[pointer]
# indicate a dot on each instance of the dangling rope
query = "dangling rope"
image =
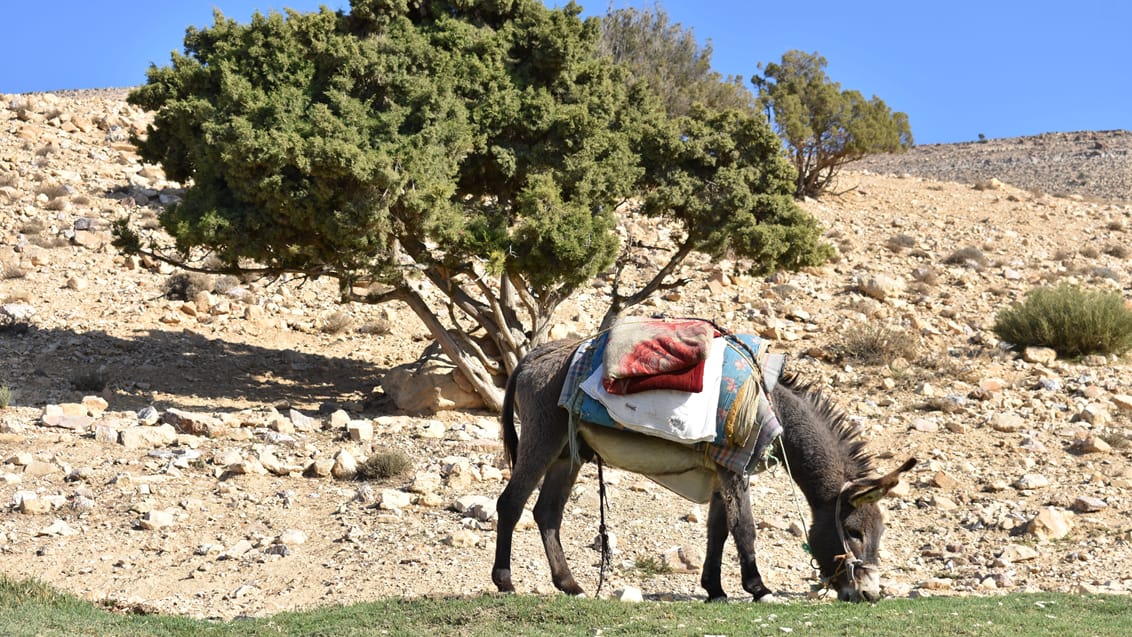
(606, 552)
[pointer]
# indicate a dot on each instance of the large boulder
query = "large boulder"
(430, 384)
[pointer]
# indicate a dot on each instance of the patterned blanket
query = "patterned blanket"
(745, 422)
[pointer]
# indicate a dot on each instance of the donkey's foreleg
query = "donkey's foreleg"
(710, 577)
(741, 522)
(548, 511)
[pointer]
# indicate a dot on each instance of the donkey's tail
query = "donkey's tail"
(510, 436)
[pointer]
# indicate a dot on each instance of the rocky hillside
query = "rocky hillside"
(1092, 164)
(190, 445)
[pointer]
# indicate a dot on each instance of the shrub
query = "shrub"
(872, 344)
(900, 242)
(1068, 319)
(5, 396)
(384, 465)
(336, 323)
(92, 380)
(185, 286)
(969, 256)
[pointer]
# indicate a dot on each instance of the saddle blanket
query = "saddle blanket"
(680, 416)
(744, 423)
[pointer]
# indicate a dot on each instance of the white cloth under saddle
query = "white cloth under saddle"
(665, 413)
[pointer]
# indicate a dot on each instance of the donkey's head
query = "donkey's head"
(845, 538)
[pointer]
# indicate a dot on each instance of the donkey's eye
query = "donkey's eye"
(855, 534)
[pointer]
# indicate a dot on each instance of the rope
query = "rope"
(606, 553)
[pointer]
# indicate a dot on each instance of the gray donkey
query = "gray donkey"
(821, 449)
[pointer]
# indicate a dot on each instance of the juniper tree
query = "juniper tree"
(476, 149)
(823, 126)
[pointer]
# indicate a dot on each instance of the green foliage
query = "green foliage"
(670, 61)
(479, 146)
(5, 396)
(720, 173)
(825, 127)
(1069, 319)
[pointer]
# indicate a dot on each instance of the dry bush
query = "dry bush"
(185, 286)
(336, 323)
(872, 344)
(376, 327)
(11, 271)
(1118, 250)
(900, 242)
(90, 380)
(969, 256)
(1090, 252)
(385, 465)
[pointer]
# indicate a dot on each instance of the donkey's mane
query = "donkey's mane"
(847, 433)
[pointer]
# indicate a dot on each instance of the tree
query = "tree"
(471, 151)
(669, 59)
(824, 127)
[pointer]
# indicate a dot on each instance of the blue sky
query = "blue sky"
(957, 68)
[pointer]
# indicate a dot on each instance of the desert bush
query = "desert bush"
(900, 242)
(384, 465)
(1090, 252)
(11, 271)
(967, 256)
(336, 323)
(872, 344)
(1118, 250)
(1068, 319)
(376, 327)
(90, 380)
(185, 286)
(5, 396)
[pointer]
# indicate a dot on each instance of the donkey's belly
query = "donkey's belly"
(680, 468)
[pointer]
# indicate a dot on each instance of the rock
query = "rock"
(477, 507)
(630, 595)
(152, 520)
(319, 468)
(683, 559)
(58, 528)
(431, 429)
(1006, 422)
(1090, 443)
(944, 481)
(237, 550)
(1123, 401)
(1095, 414)
(425, 482)
(880, 286)
(1050, 524)
(1039, 355)
(1088, 504)
(1018, 553)
(462, 538)
(394, 499)
(143, 437)
(429, 386)
(301, 421)
(192, 423)
(360, 430)
(1031, 481)
(345, 466)
(291, 537)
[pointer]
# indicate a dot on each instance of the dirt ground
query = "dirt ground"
(224, 522)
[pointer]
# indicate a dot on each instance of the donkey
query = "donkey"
(820, 447)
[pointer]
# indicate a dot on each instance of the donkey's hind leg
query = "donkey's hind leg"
(710, 578)
(525, 475)
(741, 522)
(555, 491)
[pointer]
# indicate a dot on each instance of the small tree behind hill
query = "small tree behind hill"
(824, 127)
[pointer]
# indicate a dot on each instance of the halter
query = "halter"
(847, 561)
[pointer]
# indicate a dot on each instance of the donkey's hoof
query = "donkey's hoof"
(718, 599)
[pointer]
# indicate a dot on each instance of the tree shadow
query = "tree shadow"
(181, 369)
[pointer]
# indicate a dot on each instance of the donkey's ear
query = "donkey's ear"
(872, 490)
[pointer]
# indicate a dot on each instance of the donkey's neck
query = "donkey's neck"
(819, 456)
